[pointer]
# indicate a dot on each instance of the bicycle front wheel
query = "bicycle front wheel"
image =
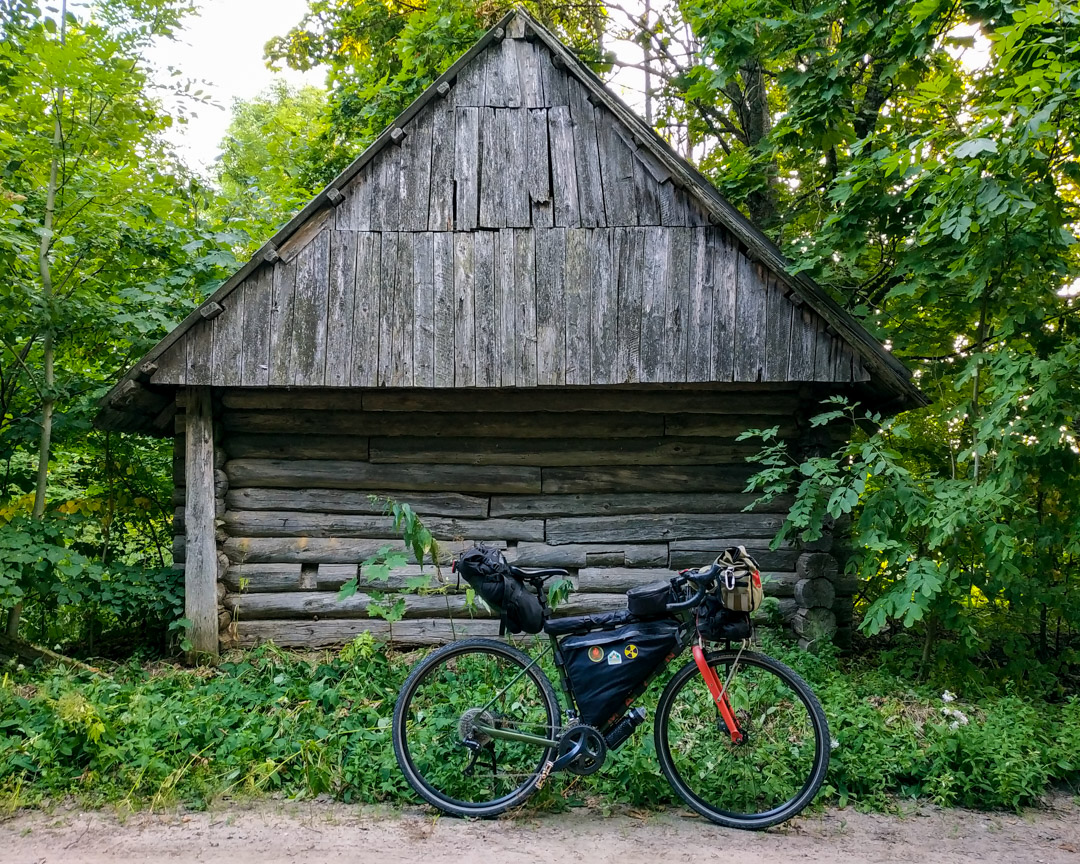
(444, 707)
(779, 767)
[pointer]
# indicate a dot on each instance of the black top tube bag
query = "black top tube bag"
(488, 573)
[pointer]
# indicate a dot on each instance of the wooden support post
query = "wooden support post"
(201, 564)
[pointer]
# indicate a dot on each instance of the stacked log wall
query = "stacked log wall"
(618, 486)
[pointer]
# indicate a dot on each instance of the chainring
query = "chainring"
(593, 754)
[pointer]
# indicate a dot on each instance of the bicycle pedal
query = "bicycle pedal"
(545, 772)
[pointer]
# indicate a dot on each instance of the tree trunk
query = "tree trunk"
(48, 398)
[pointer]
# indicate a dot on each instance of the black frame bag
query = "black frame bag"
(489, 574)
(606, 667)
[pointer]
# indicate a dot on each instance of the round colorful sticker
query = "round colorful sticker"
(596, 654)
(631, 652)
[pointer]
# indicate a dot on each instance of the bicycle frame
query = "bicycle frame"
(712, 682)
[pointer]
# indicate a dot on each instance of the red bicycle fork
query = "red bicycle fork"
(723, 704)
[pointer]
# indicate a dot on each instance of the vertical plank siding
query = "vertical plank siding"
(516, 235)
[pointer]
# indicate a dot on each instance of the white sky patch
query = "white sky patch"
(221, 49)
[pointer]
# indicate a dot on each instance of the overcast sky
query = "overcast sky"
(223, 48)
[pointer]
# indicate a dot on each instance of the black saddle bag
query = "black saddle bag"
(607, 668)
(488, 573)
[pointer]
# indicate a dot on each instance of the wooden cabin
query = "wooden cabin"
(522, 313)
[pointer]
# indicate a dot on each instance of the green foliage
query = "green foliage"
(268, 721)
(963, 557)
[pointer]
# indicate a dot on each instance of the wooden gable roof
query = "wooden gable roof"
(516, 226)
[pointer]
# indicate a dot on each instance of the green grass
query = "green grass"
(269, 721)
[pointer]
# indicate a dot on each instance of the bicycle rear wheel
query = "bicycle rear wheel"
(444, 757)
(780, 766)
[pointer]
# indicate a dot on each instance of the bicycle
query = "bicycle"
(741, 738)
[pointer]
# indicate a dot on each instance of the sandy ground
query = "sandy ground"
(314, 832)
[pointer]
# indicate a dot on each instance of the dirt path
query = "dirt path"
(316, 832)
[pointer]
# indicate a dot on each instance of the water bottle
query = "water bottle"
(624, 728)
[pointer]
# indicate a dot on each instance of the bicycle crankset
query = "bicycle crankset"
(582, 750)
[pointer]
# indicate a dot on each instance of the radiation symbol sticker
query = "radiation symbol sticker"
(596, 654)
(630, 652)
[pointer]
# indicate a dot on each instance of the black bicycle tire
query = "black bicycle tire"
(821, 753)
(399, 731)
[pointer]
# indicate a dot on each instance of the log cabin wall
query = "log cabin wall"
(618, 486)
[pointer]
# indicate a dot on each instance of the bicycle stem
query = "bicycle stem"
(720, 697)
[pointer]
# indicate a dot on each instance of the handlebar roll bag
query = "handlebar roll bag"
(649, 601)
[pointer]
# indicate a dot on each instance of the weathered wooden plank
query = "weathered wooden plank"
(626, 504)
(463, 424)
(261, 578)
(487, 361)
(587, 158)
(327, 550)
(677, 295)
(698, 553)
(340, 474)
(423, 359)
(530, 72)
(577, 300)
(726, 264)
(512, 90)
(281, 323)
(778, 316)
(516, 172)
(552, 451)
(564, 182)
(525, 307)
(200, 353)
(248, 579)
(556, 90)
(298, 523)
(364, 363)
(646, 478)
(600, 250)
(325, 605)
(646, 192)
(576, 555)
(824, 354)
(401, 369)
(200, 547)
(258, 301)
(443, 138)
(724, 425)
(349, 501)
(844, 362)
(659, 527)
(550, 308)
(803, 340)
(288, 445)
(618, 580)
(310, 311)
(228, 341)
(302, 237)
(416, 153)
(655, 348)
(617, 170)
(699, 328)
(443, 289)
(741, 400)
(466, 166)
(494, 168)
(538, 180)
(324, 634)
(471, 81)
(386, 203)
(628, 251)
(673, 205)
(464, 312)
(389, 295)
(339, 319)
(750, 322)
(505, 306)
